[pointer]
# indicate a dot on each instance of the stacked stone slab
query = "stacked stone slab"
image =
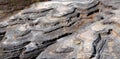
(56, 30)
(85, 7)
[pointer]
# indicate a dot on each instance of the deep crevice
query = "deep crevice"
(54, 39)
(94, 46)
(2, 34)
(96, 11)
(70, 13)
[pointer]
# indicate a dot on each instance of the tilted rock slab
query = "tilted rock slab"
(62, 29)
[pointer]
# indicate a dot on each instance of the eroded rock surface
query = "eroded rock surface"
(63, 29)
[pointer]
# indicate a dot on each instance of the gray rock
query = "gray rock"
(62, 29)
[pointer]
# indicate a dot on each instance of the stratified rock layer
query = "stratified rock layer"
(66, 29)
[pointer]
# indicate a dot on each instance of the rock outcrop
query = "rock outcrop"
(11, 7)
(63, 29)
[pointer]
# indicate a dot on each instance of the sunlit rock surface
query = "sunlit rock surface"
(63, 29)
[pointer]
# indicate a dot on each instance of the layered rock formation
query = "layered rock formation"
(63, 29)
(10, 7)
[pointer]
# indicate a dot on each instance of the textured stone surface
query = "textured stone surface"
(63, 29)
(11, 7)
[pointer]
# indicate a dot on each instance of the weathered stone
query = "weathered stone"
(57, 29)
(98, 26)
